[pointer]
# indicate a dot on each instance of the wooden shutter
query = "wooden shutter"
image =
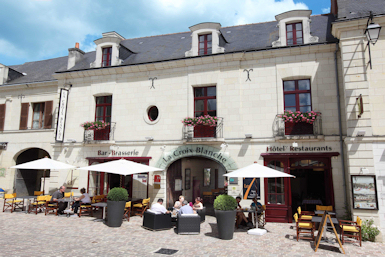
(24, 116)
(2, 116)
(48, 114)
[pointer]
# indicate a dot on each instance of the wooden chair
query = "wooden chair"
(304, 227)
(37, 193)
(351, 229)
(38, 204)
(68, 194)
(11, 203)
(207, 197)
(304, 215)
(127, 210)
(97, 199)
(323, 208)
(142, 207)
(51, 207)
(85, 207)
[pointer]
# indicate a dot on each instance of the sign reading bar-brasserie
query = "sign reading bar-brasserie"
(298, 149)
(118, 153)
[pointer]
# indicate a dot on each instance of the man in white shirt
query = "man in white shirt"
(158, 208)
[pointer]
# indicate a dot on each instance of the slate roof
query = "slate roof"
(248, 37)
(353, 9)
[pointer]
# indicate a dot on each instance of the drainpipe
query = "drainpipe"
(340, 125)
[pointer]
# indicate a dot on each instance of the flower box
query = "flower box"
(299, 128)
(204, 131)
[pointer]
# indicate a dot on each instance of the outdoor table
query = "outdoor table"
(318, 219)
(103, 205)
(28, 198)
(253, 213)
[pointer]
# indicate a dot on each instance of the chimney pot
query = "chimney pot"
(77, 45)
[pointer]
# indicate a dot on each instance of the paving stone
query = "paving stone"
(39, 235)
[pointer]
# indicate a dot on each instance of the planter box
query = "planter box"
(300, 128)
(204, 131)
(225, 223)
(103, 134)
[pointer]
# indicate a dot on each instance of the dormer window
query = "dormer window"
(294, 29)
(109, 51)
(106, 58)
(206, 39)
(294, 34)
(205, 44)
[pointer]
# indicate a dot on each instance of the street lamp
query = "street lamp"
(372, 33)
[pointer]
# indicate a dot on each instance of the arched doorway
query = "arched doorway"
(28, 181)
(195, 176)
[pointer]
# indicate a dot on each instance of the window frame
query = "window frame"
(105, 104)
(297, 92)
(106, 57)
(149, 113)
(41, 114)
(205, 42)
(294, 31)
(205, 99)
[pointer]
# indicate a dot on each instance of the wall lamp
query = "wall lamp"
(149, 138)
(372, 33)
(248, 135)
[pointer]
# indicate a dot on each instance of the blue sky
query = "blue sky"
(34, 30)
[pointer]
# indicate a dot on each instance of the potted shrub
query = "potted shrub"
(116, 201)
(225, 211)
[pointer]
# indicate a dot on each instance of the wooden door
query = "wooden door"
(196, 189)
(277, 194)
(173, 172)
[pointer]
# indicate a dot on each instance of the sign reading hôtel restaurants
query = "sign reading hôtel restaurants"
(199, 151)
(286, 148)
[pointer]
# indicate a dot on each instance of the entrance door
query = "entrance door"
(28, 181)
(196, 189)
(173, 172)
(278, 202)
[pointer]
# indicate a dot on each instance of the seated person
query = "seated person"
(256, 206)
(83, 199)
(198, 204)
(158, 208)
(59, 194)
(186, 208)
(240, 215)
(178, 204)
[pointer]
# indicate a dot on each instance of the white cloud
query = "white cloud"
(46, 29)
(326, 10)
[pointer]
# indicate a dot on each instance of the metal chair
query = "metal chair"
(37, 193)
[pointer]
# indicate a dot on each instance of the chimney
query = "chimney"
(74, 55)
(334, 7)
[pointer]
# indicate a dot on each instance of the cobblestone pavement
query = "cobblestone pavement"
(39, 235)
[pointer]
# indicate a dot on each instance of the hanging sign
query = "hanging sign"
(62, 113)
(157, 181)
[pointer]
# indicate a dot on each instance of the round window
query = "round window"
(153, 113)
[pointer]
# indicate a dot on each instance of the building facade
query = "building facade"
(248, 77)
